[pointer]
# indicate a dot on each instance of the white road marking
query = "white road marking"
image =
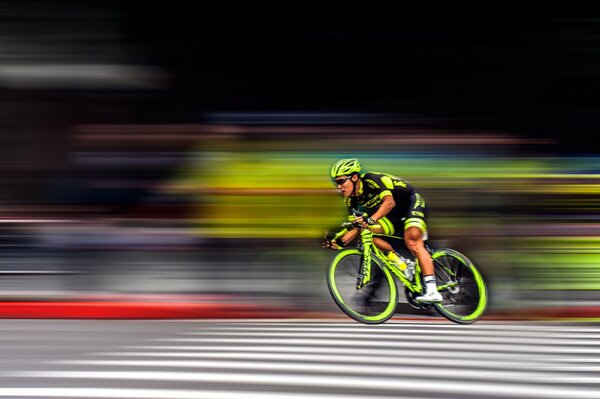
(126, 393)
(464, 372)
(397, 332)
(447, 345)
(391, 325)
(441, 386)
(353, 358)
(463, 352)
(503, 339)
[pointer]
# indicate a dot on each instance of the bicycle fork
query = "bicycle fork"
(365, 271)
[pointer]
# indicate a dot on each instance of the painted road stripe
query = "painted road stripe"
(392, 353)
(504, 339)
(537, 389)
(447, 344)
(458, 351)
(507, 362)
(464, 372)
(126, 393)
(453, 332)
(511, 326)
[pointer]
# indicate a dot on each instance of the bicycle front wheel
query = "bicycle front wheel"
(372, 304)
(461, 285)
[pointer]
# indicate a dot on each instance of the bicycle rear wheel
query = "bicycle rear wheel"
(372, 304)
(461, 285)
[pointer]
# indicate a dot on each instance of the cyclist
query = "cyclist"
(393, 204)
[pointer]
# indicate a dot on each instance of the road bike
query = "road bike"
(361, 282)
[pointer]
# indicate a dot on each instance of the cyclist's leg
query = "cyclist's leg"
(413, 238)
(383, 245)
(386, 243)
(384, 226)
(415, 234)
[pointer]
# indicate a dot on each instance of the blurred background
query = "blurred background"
(184, 149)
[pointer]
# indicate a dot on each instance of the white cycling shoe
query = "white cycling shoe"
(430, 297)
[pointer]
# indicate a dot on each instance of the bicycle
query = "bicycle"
(369, 294)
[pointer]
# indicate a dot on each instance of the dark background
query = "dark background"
(528, 69)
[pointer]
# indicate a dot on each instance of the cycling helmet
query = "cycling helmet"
(345, 167)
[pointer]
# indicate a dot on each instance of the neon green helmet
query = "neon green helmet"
(345, 167)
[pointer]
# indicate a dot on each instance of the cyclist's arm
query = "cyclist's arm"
(383, 186)
(349, 236)
(340, 239)
(387, 204)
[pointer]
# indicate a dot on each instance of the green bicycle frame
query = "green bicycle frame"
(369, 250)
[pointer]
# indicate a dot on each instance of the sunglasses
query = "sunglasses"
(339, 182)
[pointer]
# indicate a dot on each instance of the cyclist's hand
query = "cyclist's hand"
(330, 245)
(360, 221)
(329, 241)
(364, 221)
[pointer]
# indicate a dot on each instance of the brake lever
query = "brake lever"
(364, 215)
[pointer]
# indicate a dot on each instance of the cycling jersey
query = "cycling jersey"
(410, 207)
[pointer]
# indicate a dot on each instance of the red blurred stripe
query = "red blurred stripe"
(137, 310)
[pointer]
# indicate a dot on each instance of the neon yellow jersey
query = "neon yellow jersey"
(375, 186)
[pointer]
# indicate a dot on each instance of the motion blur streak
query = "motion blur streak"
(190, 159)
(155, 209)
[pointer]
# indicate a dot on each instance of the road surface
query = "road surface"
(297, 359)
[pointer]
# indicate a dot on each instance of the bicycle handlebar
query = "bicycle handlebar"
(365, 217)
(350, 225)
(358, 213)
(356, 224)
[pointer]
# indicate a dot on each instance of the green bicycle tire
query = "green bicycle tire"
(341, 281)
(469, 303)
